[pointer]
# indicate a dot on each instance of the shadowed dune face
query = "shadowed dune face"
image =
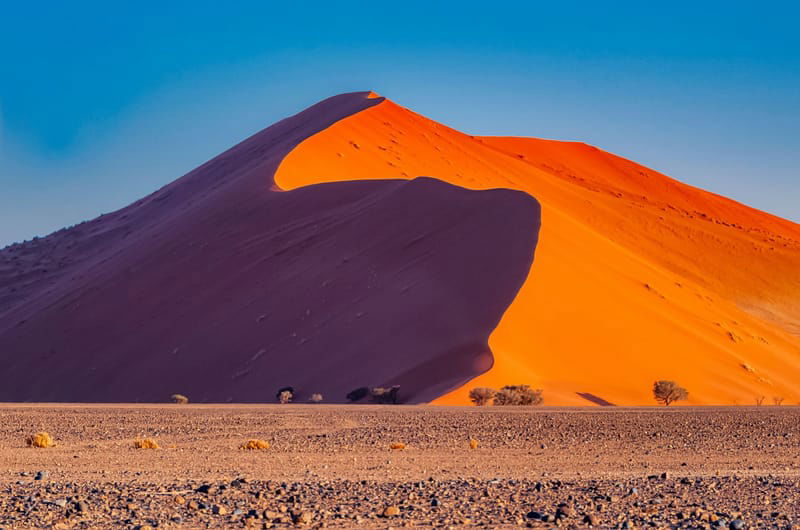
(223, 288)
(637, 276)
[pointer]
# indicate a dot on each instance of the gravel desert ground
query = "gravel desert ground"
(332, 466)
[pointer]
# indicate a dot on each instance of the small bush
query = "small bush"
(358, 394)
(315, 398)
(397, 446)
(285, 397)
(255, 444)
(180, 399)
(667, 392)
(481, 395)
(40, 439)
(519, 395)
(385, 395)
(473, 443)
(146, 443)
(281, 391)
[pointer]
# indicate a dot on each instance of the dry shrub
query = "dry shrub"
(385, 395)
(315, 398)
(520, 395)
(285, 397)
(40, 439)
(473, 443)
(668, 391)
(397, 446)
(254, 444)
(481, 395)
(180, 399)
(145, 443)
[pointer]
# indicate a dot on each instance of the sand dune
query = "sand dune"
(637, 276)
(224, 288)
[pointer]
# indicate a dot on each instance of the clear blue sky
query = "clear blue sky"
(103, 102)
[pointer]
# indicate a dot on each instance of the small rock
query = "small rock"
(41, 475)
(179, 499)
(435, 502)
(219, 509)
(205, 488)
(534, 515)
(60, 502)
(736, 524)
(591, 519)
(302, 517)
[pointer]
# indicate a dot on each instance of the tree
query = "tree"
(521, 395)
(481, 395)
(668, 391)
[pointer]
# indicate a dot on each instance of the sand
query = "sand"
(642, 465)
(637, 277)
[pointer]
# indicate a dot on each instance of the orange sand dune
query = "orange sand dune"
(637, 276)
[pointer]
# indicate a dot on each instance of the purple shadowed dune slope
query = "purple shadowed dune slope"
(219, 287)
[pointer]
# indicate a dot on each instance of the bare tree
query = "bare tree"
(759, 400)
(481, 395)
(667, 392)
(777, 400)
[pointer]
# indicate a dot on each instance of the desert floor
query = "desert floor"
(331, 465)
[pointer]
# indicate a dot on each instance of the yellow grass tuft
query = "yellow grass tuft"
(40, 439)
(473, 443)
(397, 446)
(255, 444)
(146, 443)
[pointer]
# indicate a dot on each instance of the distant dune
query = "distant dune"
(314, 255)
(224, 288)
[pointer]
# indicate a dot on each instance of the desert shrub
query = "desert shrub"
(397, 446)
(473, 443)
(255, 444)
(777, 400)
(315, 398)
(668, 391)
(146, 443)
(385, 395)
(358, 394)
(285, 397)
(519, 395)
(289, 389)
(180, 399)
(40, 439)
(481, 395)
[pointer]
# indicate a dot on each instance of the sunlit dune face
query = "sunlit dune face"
(637, 277)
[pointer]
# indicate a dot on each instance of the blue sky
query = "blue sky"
(103, 102)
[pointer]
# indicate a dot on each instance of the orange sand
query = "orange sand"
(637, 277)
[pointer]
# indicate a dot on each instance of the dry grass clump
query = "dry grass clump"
(40, 439)
(473, 443)
(481, 396)
(180, 399)
(315, 398)
(255, 444)
(397, 446)
(145, 443)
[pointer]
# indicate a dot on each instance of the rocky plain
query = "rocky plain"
(334, 466)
